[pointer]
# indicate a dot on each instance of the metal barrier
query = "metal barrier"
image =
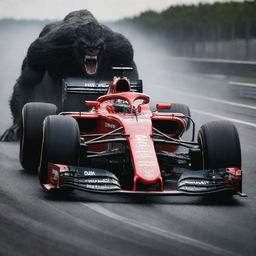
(243, 90)
(214, 66)
(220, 67)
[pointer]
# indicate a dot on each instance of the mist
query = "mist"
(15, 40)
(143, 224)
(163, 77)
(152, 56)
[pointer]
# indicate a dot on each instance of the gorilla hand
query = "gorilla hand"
(11, 134)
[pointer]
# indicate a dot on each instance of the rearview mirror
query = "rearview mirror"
(163, 106)
(91, 103)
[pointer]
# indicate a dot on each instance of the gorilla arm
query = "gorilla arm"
(22, 93)
(42, 54)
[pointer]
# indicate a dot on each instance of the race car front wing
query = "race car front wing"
(96, 180)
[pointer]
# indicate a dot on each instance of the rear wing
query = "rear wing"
(83, 85)
(78, 89)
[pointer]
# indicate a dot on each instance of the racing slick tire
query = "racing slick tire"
(60, 145)
(179, 108)
(33, 115)
(220, 145)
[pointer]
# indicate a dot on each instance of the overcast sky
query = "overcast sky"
(105, 10)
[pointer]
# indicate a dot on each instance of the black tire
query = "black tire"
(179, 108)
(60, 144)
(33, 115)
(220, 144)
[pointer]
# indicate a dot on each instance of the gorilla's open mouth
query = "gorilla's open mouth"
(91, 64)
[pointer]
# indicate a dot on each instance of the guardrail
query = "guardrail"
(220, 67)
(214, 66)
(244, 90)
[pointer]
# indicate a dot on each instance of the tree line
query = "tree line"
(221, 21)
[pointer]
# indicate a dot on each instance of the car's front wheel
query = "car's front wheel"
(220, 145)
(60, 144)
(33, 115)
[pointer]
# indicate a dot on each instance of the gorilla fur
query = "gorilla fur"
(77, 46)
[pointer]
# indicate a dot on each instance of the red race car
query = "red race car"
(121, 146)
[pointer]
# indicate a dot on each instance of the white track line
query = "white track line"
(158, 231)
(242, 84)
(223, 117)
(219, 101)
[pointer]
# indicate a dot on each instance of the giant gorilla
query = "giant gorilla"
(77, 46)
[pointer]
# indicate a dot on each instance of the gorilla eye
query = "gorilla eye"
(99, 46)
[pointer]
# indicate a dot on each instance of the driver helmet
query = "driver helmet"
(121, 106)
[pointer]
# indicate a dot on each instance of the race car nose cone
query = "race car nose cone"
(148, 174)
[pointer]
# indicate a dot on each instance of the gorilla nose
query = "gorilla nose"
(92, 51)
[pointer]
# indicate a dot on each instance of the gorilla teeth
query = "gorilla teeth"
(91, 64)
(87, 57)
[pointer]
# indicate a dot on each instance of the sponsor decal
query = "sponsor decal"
(89, 173)
(197, 189)
(94, 85)
(146, 163)
(143, 151)
(67, 174)
(96, 186)
(108, 125)
(99, 181)
(91, 186)
(202, 182)
(199, 182)
(144, 154)
(101, 187)
(148, 174)
(142, 145)
(55, 176)
(89, 85)
(140, 137)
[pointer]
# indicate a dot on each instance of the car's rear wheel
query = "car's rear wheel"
(33, 115)
(179, 108)
(220, 145)
(60, 144)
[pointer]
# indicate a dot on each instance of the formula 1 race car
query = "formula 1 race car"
(122, 146)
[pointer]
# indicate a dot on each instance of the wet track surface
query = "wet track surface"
(32, 223)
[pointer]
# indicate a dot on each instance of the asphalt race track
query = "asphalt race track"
(32, 223)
